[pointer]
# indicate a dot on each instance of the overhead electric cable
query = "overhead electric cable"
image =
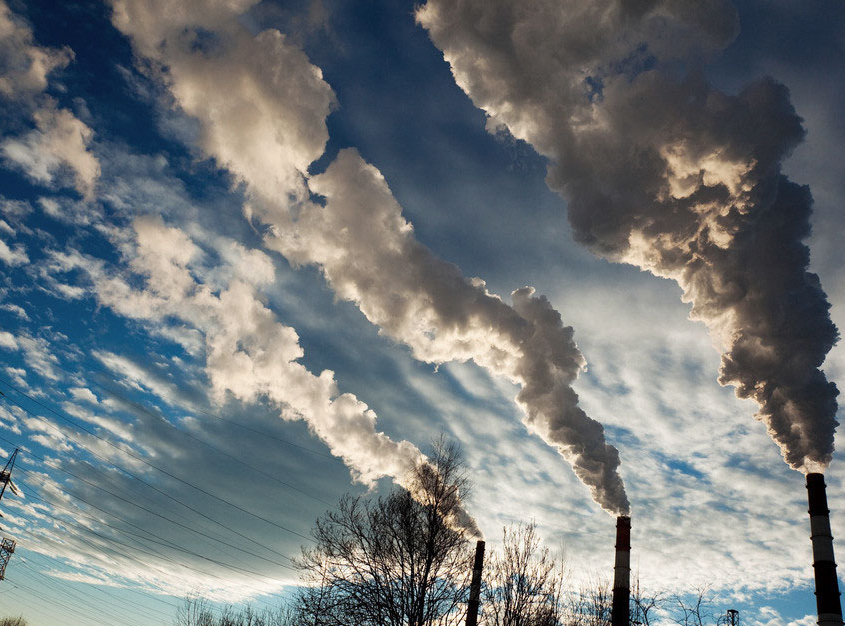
(150, 511)
(52, 602)
(110, 375)
(142, 460)
(148, 464)
(130, 557)
(216, 562)
(58, 587)
(157, 538)
(95, 586)
(211, 446)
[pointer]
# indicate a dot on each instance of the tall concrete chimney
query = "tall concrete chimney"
(620, 612)
(475, 585)
(827, 586)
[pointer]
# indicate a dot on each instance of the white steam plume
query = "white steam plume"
(368, 253)
(664, 171)
(262, 112)
(248, 352)
(262, 108)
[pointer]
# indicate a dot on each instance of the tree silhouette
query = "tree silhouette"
(395, 561)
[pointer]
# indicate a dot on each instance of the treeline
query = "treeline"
(400, 560)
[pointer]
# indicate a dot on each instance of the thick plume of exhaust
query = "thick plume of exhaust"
(666, 172)
(261, 109)
(249, 354)
(369, 255)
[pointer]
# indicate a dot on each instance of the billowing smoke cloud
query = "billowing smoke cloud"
(248, 352)
(369, 255)
(60, 140)
(664, 171)
(262, 110)
(261, 103)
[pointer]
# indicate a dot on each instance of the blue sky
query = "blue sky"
(238, 245)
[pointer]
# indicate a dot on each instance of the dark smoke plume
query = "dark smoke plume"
(664, 171)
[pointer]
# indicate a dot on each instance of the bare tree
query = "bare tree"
(197, 611)
(396, 561)
(644, 604)
(589, 606)
(194, 611)
(694, 611)
(524, 583)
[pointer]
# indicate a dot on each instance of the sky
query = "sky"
(257, 255)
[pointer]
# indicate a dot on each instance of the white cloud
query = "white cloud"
(10, 420)
(7, 340)
(16, 309)
(18, 376)
(13, 256)
(115, 426)
(38, 355)
(26, 65)
(60, 140)
(83, 394)
(769, 616)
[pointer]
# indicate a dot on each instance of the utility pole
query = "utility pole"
(733, 614)
(7, 546)
(6, 474)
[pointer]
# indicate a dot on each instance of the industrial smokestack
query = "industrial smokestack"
(475, 585)
(622, 573)
(827, 586)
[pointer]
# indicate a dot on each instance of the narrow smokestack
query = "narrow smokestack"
(622, 572)
(827, 586)
(475, 585)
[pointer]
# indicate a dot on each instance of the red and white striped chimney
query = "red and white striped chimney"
(620, 610)
(827, 586)
(475, 586)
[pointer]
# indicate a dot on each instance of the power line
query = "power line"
(196, 409)
(65, 607)
(164, 542)
(147, 463)
(167, 543)
(157, 416)
(55, 586)
(147, 611)
(95, 587)
(150, 511)
(161, 541)
(142, 460)
(175, 547)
